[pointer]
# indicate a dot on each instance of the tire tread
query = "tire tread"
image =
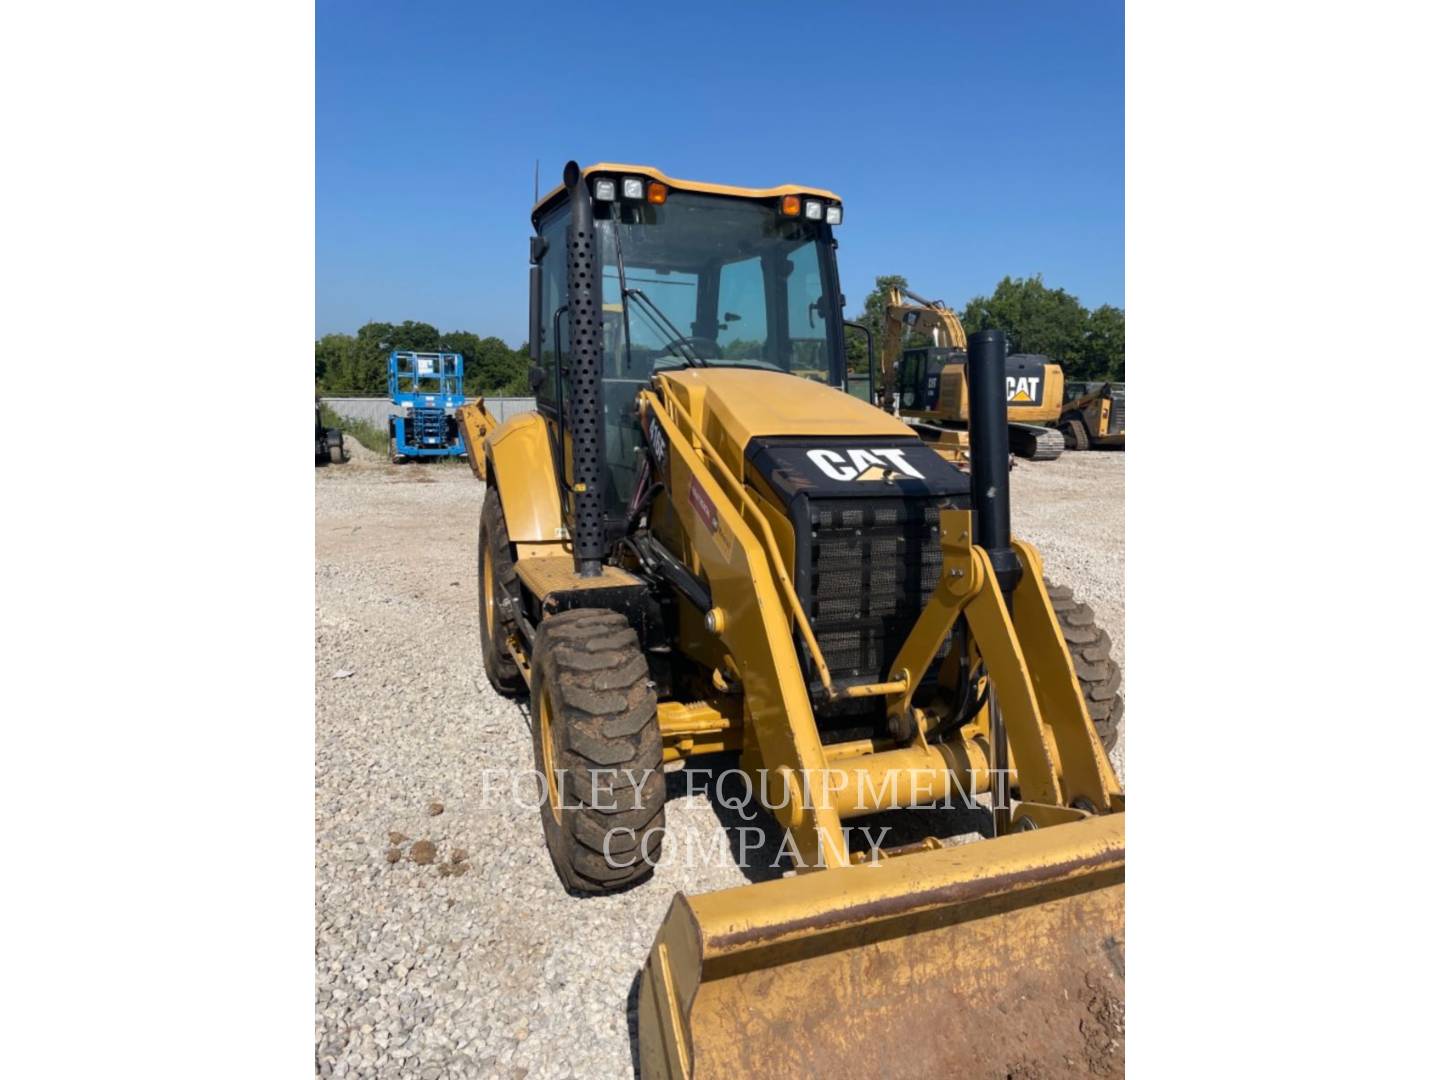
(607, 736)
(1095, 667)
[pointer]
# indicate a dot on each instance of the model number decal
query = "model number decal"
(703, 506)
(657, 442)
(863, 465)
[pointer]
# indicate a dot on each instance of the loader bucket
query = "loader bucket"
(998, 958)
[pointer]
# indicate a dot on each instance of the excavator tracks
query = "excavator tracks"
(1036, 443)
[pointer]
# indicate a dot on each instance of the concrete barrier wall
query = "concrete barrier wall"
(376, 411)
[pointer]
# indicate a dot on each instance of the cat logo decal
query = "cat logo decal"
(1023, 389)
(863, 465)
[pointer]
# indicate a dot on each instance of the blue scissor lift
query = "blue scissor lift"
(427, 388)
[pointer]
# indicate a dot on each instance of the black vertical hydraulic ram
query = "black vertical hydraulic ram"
(584, 413)
(990, 455)
(990, 492)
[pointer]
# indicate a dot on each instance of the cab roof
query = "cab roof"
(557, 193)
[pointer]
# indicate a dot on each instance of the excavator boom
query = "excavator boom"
(928, 386)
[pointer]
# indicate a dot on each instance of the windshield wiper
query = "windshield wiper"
(664, 326)
(747, 362)
(651, 312)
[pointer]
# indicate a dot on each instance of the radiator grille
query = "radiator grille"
(1117, 415)
(873, 564)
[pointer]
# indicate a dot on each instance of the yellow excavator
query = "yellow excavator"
(701, 544)
(927, 383)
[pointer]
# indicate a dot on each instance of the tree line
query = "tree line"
(358, 364)
(1088, 344)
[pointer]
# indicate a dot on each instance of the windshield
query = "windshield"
(716, 281)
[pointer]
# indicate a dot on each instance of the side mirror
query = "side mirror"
(537, 378)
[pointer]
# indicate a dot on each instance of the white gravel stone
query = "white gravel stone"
(497, 971)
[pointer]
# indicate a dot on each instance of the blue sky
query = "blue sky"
(969, 140)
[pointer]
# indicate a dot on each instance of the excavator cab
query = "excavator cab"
(928, 384)
(917, 377)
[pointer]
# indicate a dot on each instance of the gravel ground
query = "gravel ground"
(464, 957)
(1073, 510)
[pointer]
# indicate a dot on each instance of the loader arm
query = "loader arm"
(476, 422)
(753, 622)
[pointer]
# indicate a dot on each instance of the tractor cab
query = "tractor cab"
(691, 276)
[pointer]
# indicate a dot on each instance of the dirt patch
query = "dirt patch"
(1103, 1029)
(358, 453)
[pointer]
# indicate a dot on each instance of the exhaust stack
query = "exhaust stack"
(990, 454)
(587, 433)
(990, 492)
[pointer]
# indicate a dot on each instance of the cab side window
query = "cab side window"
(552, 297)
(805, 293)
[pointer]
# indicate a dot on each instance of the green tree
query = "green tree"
(1037, 319)
(358, 364)
(412, 336)
(347, 366)
(496, 369)
(875, 303)
(1102, 351)
(330, 353)
(372, 354)
(873, 317)
(466, 344)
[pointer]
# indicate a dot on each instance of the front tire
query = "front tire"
(597, 746)
(1095, 668)
(498, 591)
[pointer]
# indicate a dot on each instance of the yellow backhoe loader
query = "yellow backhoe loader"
(690, 549)
(928, 385)
(1094, 415)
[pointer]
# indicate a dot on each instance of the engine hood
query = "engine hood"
(855, 468)
(748, 404)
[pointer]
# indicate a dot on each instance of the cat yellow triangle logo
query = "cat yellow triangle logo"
(875, 472)
(1021, 388)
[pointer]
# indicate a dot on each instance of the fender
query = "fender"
(520, 463)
